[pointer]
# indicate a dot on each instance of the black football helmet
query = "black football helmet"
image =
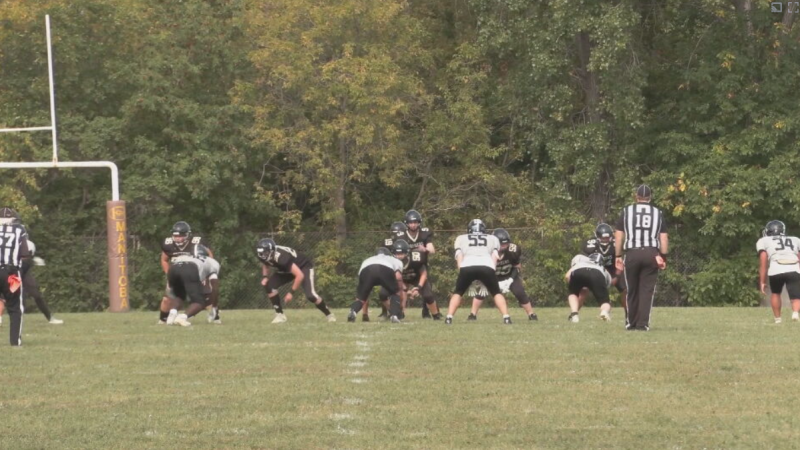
(604, 231)
(398, 227)
(476, 226)
(502, 236)
(383, 251)
(266, 248)
(413, 216)
(775, 228)
(400, 247)
(596, 258)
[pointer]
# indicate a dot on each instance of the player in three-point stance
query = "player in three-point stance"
(779, 260)
(508, 276)
(181, 243)
(603, 244)
(289, 266)
(588, 272)
(415, 278)
(385, 269)
(476, 255)
(396, 231)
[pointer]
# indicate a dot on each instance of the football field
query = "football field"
(701, 378)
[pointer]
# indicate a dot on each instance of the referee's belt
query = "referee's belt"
(9, 267)
(641, 248)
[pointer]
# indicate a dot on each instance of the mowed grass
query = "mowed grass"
(701, 378)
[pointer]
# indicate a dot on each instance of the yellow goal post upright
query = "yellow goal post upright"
(118, 281)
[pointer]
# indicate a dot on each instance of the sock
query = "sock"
(276, 304)
(324, 308)
(163, 315)
(449, 316)
(506, 316)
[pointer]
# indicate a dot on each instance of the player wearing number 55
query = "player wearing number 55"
(780, 253)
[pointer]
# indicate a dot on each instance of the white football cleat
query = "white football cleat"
(394, 319)
(778, 320)
(182, 320)
(279, 318)
(331, 318)
(1, 321)
(795, 316)
(605, 316)
(161, 322)
(173, 313)
(54, 321)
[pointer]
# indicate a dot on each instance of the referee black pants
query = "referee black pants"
(13, 301)
(641, 274)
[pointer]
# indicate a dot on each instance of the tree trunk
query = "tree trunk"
(790, 9)
(341, 193)
(589, 83)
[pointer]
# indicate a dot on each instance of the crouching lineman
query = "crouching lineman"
(588, 272)
(185, 275)
(508, 276)
(385, 269)
(415, 278)
(780, 253)
(603, 243)
(289, 266)
(181, 243)
(210, 284)
(476, 257)
(396, 231)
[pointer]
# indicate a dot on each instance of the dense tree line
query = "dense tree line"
(251, 116)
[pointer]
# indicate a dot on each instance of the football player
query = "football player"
(779, 260)
(181, 243)
(288, 266)
(185, 276)
(395, 231)
(588, 272)
(210, 284)
(476, 256)
(420, 239)
(508, 276)
(385, 269)
(603, 243)
(415, 278)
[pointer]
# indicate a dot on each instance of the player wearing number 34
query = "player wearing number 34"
(780, 253)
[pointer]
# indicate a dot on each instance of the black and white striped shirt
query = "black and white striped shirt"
(642, 224)
(13, 245)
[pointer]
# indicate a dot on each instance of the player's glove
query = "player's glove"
(505, 285)
(477, 289)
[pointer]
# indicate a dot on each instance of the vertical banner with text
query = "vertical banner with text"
(117, 257)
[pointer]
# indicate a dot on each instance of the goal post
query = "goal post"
(117, 230)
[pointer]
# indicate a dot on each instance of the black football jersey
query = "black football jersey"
(388, 242)
(172, 249)
(508, 259)
(284, 257)
(420, 239)
(593, 245)
(414, 265)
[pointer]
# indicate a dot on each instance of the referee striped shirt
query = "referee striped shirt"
(642, 224)
(13, 245)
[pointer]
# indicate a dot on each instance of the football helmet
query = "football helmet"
(476, 226)
(413, 216)
(604, 233)
(502, 236)
(181, 232)
(775, 228)
(201, 251)
(398, 227)
(400, 247)
(266, 248)
(383, 251)
(596, 258)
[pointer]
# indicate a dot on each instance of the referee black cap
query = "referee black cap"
(644, 191)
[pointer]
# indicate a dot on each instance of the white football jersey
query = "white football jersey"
(581, 261)
(383, 260)
(781, 252)
(477, 249)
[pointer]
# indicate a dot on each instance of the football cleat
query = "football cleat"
(217, 321)
(279, 318)
(212, 315)
(352, 316)
(182, 320)
(437, 316)
(54, 321)
(394, 319)
(795, 316)
(330, 318)
(506, 320)
(161, 322)
(448, 321)
(573, 317)
(605, 316)
(173, 314)
(778, 320)
(533, 316)
(472, 317)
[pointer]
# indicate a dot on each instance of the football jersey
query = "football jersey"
(382, 260)
(283, 258)
(210, 267)
(414, 265)
(421, 238)
(172, 249)
(583, 262)
(477, 249)
(508, 259)
(593, 245)
(203, 269)
(781, 253)
(388, 242)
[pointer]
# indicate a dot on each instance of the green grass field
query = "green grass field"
(701, 378)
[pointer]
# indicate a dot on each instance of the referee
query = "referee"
(642, 232)
(13, 247)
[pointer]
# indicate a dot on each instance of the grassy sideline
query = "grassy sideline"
(702, 378)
